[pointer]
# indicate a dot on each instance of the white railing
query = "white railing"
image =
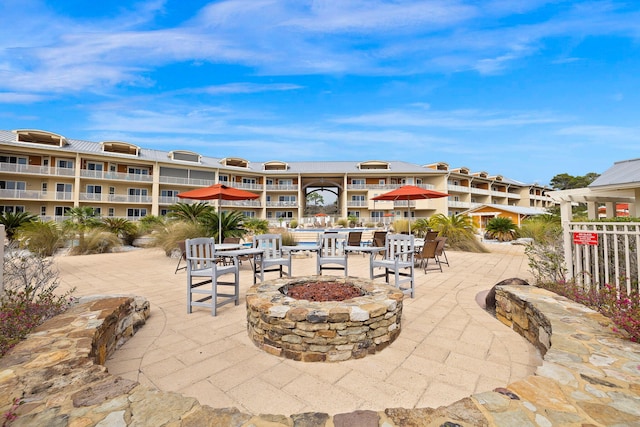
(185, 181)
(599, 253)
(119, 176)
(272, 187)
(385, 186)
(239, 203)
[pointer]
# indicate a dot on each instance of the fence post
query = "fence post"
(2, 236)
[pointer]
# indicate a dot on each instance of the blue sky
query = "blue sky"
(527, 89)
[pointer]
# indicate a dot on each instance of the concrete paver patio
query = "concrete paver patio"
(449, 347)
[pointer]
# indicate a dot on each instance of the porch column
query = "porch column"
(592, 210)
(566, 216)
(611, 209)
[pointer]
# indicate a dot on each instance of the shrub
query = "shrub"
(502, 229)
(293, 223)
(289, 239)
(29, 296)
(400, 225)
(459, 231)
(42, 238)
(343, 222)
(96, 241)
(618, 305)
(173, 232)
(126, 230)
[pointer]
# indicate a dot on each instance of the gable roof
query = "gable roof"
(623, 174)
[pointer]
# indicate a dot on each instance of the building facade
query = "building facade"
(46, 174)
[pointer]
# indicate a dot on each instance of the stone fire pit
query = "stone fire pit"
(328, 331)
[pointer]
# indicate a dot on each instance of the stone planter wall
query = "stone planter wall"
(323, 331)
(590, 376)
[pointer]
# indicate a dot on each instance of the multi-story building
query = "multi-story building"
(46, 174)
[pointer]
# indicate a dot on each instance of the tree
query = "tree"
(315, 198)
(564, 181)
(192, 212)
(81, 218)
(231, 224)
(13, 220)
(502, 229)
(459, 231)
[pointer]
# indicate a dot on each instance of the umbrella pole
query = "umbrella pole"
(219, 220)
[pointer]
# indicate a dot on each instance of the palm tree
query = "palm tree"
(81, 218)
(459, 231)
(191, 212)
(14, 220)
(126, 230)
(230, 224)
(501, 228)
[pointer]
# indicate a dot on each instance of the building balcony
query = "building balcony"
(185, 181)
(239, 203)
(452, 188)
(115, 176)
(282, 205)
(36, 170)
(357, 203)
(479, 191)
(115, 198)
(271, 187)
(244, 185)
(387, 187)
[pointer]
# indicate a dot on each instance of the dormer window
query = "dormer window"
(40, 137)
(120, 148)
(275, 166)
(374, 164)
(185, 156)
(235, 161)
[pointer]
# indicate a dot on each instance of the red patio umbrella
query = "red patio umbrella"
(218, 192)
(410, 192)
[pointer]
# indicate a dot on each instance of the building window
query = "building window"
(13, 159)
(94, 166)
(249, 214)
(138, 171)
(112, 190)
(43, 211)
(45, 187)
(353, 213)
(10, 208)
(285, 182)
(138, 192)
(164, 212)
(357, 198)
(94, 189)
(136, 213)
(61, 210)
(13, 185)
(169, 193)
(63, 188)
(284, 214)
(223, 178)
(112, 211)
(287, 199)
(269, 181)
(65, 164)
(248, 180)
(358, 182)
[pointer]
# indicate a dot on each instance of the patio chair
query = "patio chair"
(399, 259)
(182, 257)
(431, 235)
(355, 239)
(429, 252)
(378, 239)
(203, 268)
(442, 241)
(331, 254)
(272, 259)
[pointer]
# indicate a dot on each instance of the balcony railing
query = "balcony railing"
(117, 176)
(271, 187)
(36, 170)
(385, 186)
(357, 203)
(241, 203)
(185, 181)
(114, 198)
(282, 204)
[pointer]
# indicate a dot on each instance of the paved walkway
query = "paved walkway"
(449, 347)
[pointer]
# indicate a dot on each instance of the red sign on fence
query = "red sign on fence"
(582, 238)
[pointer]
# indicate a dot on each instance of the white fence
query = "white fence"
(599, 253)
